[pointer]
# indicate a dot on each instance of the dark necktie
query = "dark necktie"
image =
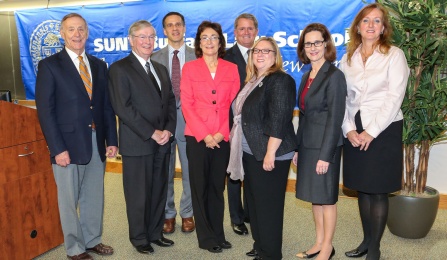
(151, 76)
(175, 74)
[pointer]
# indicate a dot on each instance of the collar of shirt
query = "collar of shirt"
(74, 58)
(181, 50)
(143, 63)
(243, 50)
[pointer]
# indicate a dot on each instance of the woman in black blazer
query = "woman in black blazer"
(263, 141)
(321, 99)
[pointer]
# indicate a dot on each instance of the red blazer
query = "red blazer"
(206, 102)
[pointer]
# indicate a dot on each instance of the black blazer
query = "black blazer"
(66, 112)
(268, 111)
(320, 123)
(141, 107)
(235, 56)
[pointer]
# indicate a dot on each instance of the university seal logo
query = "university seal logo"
(45, 41)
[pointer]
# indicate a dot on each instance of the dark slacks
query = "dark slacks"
(207, 171)
(145, 191)
(265, 192)
(237, 211)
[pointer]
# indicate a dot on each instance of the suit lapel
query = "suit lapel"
(142, 72)
(316, 83)
(238, 56)
(72, 71)
(94, 76)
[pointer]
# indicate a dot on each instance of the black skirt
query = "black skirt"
(379, 169)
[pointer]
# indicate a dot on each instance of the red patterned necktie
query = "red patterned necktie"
(175, 74)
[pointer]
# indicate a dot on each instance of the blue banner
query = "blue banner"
(39, 37)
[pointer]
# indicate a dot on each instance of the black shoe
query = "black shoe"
(215, 249)
(257, 257)
(145, 249)
(356, 253)
(252, 253)
(247, 220)
(163, 242)
(240, 229)
(332, 253)
(225, 245)
(305, 255)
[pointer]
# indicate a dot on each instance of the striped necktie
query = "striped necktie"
(85, 76)
(175, 74)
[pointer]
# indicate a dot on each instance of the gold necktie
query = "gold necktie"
(83, 70)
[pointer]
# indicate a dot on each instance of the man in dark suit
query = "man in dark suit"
(172, 57)
(77, 120)
(141, 94)
(245, 31)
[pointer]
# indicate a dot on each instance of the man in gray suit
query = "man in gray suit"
(245, 31)
(141, 94)
(173, 57)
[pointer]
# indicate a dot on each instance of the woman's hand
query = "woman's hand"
(218, 137)
(295, 159)
(353, 138)
(322, 167)
(269, 162)
(366, 140)
(210, 142)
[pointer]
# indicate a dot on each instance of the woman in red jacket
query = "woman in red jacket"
(208, 86)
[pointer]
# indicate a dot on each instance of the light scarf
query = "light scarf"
(235, 167)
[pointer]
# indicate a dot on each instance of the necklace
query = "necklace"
(364, 56)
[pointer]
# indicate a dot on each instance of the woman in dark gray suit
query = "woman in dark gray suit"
(263, 141)
(321, 99)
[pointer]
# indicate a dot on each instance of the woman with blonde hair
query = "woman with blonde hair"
(263, 144)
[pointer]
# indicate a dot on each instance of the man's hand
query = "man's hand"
(63, 159)
(111, 151)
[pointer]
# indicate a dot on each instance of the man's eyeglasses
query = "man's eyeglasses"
(263, 51)
(211, 38)
(315, 43)
(144, 37)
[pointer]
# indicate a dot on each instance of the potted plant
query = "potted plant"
(420, 30)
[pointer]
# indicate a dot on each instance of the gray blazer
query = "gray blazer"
(320, 122)
(162, 57)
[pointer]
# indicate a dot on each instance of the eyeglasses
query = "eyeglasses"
(211, 38)
(315, 43)
(144, 37)
(263, 51)
(172, 25)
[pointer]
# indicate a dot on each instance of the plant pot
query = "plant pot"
(412, 217)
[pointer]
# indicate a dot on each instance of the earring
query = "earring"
(381, 32)
(358, 31)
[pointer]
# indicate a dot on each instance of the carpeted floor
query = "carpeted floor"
(298, 233)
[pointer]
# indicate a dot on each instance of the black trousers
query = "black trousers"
(265, 192)
(207, 172)
(238, 212)
(145, 181)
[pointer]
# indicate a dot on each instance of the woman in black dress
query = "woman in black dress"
(376, 74)
(321, 100)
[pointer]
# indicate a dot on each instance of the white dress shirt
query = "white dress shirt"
(244, 51)
(181, 57)
(377, 89)
(75, 59)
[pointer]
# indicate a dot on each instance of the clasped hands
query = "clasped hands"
(361, 140)
(161, 137)
(212, 141)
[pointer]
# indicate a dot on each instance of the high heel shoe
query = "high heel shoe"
(305, 255)
(332, 253)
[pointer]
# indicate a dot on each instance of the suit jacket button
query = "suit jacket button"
(91, 107)
(244, 123)
(214, 102)
(214, 91)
